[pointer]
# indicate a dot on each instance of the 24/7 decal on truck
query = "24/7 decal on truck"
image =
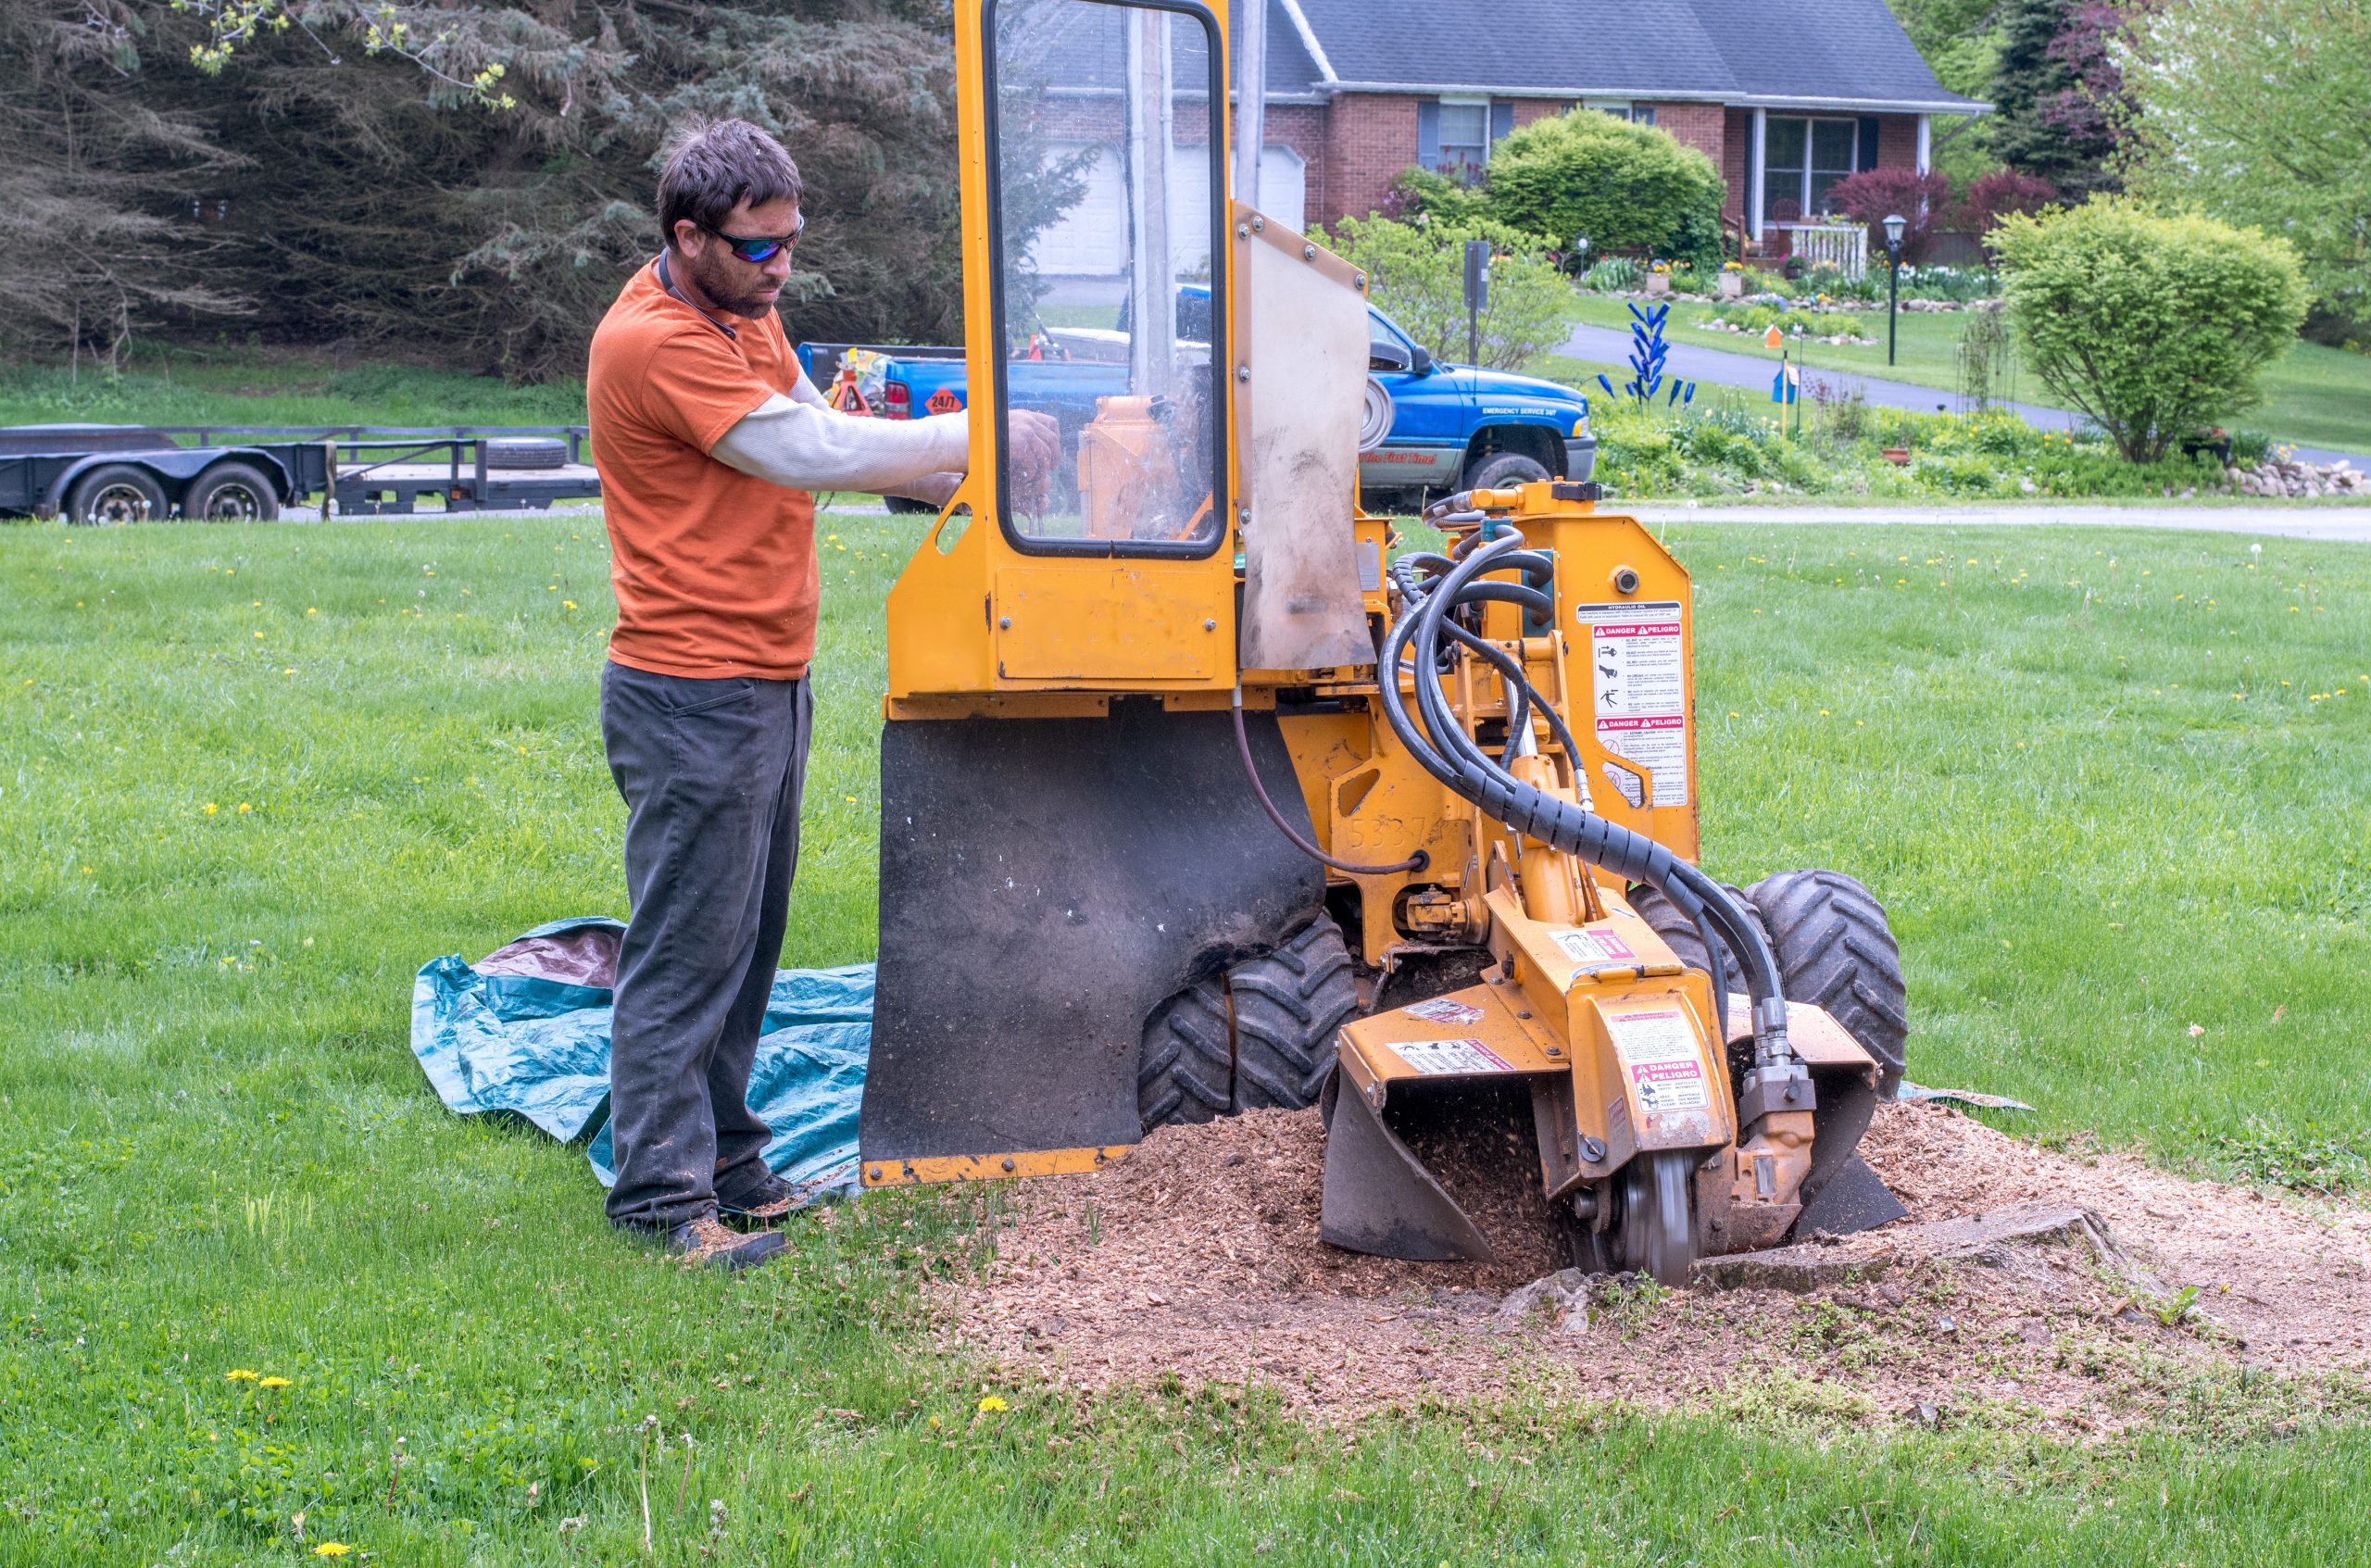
(1638, 664)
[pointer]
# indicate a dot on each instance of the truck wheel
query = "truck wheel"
(1288, 1006)
(115, 492)
(232, 493)
(1835, 950)
(1186, 1066)
(1503, 470)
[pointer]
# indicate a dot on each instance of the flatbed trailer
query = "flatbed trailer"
(233, 473)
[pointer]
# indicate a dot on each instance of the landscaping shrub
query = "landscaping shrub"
(1614, 274)
(1759, 316)
(2153, 325)
(1993, 196)
(1420, 195)
(1872, 195)
(1416, 272)
(1627, 187)
(1826, 283)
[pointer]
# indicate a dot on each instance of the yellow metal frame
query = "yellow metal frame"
(970, 614)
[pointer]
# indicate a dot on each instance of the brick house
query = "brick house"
(1784, 96)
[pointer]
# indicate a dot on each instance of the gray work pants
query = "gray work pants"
(710, 770)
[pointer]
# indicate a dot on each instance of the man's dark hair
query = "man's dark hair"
(716, 165)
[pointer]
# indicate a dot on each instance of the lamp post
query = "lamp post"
(1895, 224)
(1580, 254)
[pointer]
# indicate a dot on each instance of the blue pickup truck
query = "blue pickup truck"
(1450, 427)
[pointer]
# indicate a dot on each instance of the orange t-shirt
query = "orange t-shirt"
(714, 569)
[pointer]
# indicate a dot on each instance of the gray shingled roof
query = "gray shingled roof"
(1774, 53)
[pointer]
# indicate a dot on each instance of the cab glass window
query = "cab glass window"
(1107, 212)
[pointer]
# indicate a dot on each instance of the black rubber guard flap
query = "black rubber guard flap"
(1045, 884)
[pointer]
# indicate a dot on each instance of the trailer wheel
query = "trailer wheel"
(1288, 1006)
(232, 493)
(115, 492)
(1835, 950)
(903, 505)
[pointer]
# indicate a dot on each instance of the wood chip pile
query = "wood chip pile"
(1197, 1257)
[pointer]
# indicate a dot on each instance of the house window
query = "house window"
(1465, 138)
(1804, 159)
(1642, 114)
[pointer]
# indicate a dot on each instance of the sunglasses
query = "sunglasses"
(756, 252)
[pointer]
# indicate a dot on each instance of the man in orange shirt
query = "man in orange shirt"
(711, 441)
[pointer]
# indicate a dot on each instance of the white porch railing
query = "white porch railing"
(1842, 246)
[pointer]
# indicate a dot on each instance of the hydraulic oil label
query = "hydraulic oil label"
(1639, 666)
(1658, 1049)
(1443, 1009)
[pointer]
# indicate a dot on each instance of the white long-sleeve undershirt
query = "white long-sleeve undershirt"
(805, 443)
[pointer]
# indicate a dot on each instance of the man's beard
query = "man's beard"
(716, 279)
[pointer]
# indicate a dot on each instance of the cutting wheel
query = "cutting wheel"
(1657, 1221)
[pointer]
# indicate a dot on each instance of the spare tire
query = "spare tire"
(1376, 421)
(533, 453)
(1835, 950)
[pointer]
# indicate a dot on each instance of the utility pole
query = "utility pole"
(1251, 101)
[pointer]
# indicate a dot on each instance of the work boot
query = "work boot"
(705, 1243)
(765, 1208)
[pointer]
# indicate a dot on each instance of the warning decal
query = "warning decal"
(943, 401)
(1596, 949)
(1441, 1010)
(1436, 1057)
(1639, 666)
(1658, 1049)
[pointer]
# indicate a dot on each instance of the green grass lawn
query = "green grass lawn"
(251, 778)
(2314, 394)
(188, 386)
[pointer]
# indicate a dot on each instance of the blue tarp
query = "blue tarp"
(526, 1031)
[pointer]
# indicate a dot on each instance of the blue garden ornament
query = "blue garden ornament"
(1649, 348)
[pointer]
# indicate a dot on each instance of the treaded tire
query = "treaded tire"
(1835, 950)
(1680, 933)
(1185, 1066)
(1288, 1006)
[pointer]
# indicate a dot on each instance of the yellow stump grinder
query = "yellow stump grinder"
(1199, 794)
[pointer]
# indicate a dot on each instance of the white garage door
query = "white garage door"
(1091, 239)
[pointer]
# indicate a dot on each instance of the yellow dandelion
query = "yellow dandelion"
(209, 807)
(238, 1374)
(272, 1383)
(568, 604)
(258, 636)
(992, 1404)
(244, 807)
(332, 1548)
(317, 611)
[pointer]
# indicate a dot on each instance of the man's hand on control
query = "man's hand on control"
(1035, 443)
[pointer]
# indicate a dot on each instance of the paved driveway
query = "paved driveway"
(1718, 367)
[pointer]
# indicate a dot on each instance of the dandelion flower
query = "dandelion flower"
(272, 1383)
(238, 1374)
(568, 604)
(332, 1548)
(244, 807)
(209, 807)
(992, 1404)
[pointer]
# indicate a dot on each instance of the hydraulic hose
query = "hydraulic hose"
(1415, 862)
(1431, 589)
